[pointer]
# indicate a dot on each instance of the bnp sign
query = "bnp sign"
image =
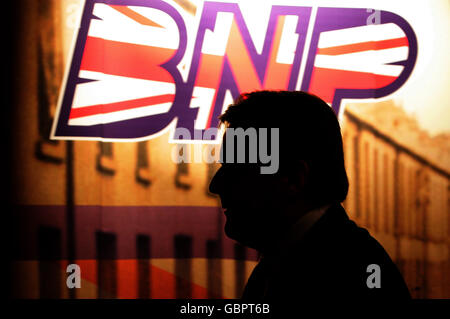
(142, 67)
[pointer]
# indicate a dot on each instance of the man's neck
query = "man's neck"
(296, 226)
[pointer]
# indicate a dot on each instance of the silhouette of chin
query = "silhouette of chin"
(240, 230)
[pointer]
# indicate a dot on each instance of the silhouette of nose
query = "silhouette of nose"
(216, 182)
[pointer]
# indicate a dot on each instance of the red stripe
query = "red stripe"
(324, 82)
(142, 62)
(364, 46)
(119, 106)
(133, 15)
(162, 282)
(126, 59)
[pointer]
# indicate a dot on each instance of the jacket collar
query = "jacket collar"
(311, 227)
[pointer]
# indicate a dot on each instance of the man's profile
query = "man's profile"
(294, 218)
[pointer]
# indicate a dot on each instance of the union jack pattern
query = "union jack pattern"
(363, 57)
(138, 66)
(120, 45)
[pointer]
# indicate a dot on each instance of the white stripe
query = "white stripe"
(155, 15)
(288, 41)
(373, 32)
(121, 115)
(116, 26)
(312, 21)
(215, 42)
(366, 61)
(112, 88)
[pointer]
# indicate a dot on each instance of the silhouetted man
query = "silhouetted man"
(309, 247)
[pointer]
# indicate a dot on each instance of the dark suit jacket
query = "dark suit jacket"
(329, 262)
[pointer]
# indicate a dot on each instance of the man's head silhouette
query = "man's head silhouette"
(261, 208)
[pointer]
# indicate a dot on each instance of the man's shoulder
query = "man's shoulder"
(336, 232)
(336, 257)
(337, 244)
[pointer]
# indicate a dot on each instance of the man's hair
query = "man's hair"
(309, 131)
